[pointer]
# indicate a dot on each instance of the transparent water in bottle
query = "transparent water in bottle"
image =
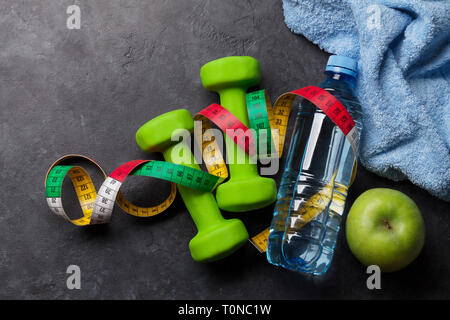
(315, 181)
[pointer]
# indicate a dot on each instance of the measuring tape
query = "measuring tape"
(274, 120)
(97, 207)
(228, 123)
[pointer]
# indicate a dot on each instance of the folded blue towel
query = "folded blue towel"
(403, 49)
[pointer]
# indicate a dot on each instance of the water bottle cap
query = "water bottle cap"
(342, 64)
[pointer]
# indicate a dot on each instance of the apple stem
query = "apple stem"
(386, 224)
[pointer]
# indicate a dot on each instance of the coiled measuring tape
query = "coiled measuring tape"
(97, 207)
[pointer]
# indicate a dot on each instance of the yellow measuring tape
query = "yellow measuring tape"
(97, 207)
(87, 195)
(263, 116)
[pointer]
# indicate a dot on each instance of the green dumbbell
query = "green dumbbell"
(216, 237)
(230, 77)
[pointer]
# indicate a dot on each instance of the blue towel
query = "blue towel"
(403, 49)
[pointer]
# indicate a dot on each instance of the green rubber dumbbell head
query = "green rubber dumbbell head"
(246, 195)
(242, 72)
(218, 241)
(155, 135)
(216, 237)
(230, 77)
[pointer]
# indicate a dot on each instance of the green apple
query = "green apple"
(384, 227)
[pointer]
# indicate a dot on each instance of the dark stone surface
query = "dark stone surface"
(87, 91)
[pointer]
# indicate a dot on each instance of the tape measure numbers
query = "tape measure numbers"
(259, 110)
(97, 207)
(231, 125)
(274, 119)
(269, 124)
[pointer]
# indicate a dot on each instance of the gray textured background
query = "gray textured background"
(87, 91)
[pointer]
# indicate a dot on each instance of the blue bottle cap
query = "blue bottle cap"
(342, 64)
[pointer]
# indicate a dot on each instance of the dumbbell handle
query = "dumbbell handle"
(233, 99)
(201, 205)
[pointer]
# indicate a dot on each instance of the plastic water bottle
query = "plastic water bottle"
(314, 185)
